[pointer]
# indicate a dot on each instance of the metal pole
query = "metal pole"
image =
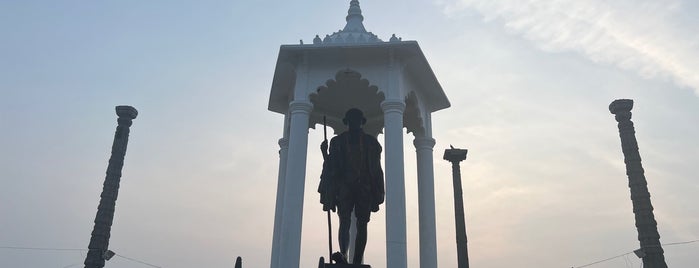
(99, 242)
(651, 251)
(330, 227)
(455, 156)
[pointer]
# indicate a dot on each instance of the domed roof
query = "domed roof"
(354, 31)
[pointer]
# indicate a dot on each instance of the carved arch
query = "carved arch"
(413, 117)
(347, 90)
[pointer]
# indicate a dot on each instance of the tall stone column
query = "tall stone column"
(646, 225)
(99, 242)
(292, 214)
(396, 233)
(426, 202)
(455, 156)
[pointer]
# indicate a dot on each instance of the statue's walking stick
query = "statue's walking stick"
(330, 232)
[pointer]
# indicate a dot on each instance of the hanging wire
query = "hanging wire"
(76, 249)
(622, 255)
(681, 243)
(600, 261)
(138, 261)
(46, 249)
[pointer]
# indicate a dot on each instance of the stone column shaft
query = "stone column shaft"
(646, 226)
(396, 233)
(99, 242)
(292, 214)
(426, 201)
(455, 156)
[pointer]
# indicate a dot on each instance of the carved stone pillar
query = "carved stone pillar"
(455, 156)
(99, 242)
(646, 226)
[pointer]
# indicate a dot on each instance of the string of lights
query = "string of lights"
(139, 261)
(604, 260)
(152, 265)
(76, 249)
(45, 249)
(622, 255)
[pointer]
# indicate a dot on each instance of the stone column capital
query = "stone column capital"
(455, 155)
(389, 106)
(422, 143)
(300, 106)
(622, 109)
(124, 111)
(621, 105)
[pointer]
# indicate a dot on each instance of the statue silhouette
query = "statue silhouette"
(352, 180)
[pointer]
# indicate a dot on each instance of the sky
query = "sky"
(529, 83)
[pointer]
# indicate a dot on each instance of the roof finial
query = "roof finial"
(354, 18)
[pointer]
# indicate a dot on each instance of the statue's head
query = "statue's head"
(354, 118)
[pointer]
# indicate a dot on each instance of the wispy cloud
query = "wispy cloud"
(646, 36)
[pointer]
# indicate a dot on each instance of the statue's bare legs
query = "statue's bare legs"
(360, 240)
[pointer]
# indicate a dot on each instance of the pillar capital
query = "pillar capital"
(424, 143)
(622, 109)
(124, 111)
(300, 106)
(621, 105)
(455, 155)
(389, 106)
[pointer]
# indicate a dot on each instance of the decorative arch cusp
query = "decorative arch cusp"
(347, 90)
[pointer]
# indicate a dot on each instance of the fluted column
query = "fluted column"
(292, 214)
(646, 225)
(426, 204)
(276, 235)
(455, 156)
(99, 242)
(396, 250)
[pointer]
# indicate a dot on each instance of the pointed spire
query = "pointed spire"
(354, 31)
(354, 18)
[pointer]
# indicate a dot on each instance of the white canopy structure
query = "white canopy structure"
(393, 84)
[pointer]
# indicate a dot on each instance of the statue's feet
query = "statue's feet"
(339, 258)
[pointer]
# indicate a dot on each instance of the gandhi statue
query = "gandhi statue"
(352, 180)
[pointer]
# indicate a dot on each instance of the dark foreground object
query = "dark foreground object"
(322, 264)
(99, 242)
(651, 252)
(335, 265)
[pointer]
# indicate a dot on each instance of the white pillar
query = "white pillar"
(276, 235)
(426, 205)
(396, 251)
(292, 214)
